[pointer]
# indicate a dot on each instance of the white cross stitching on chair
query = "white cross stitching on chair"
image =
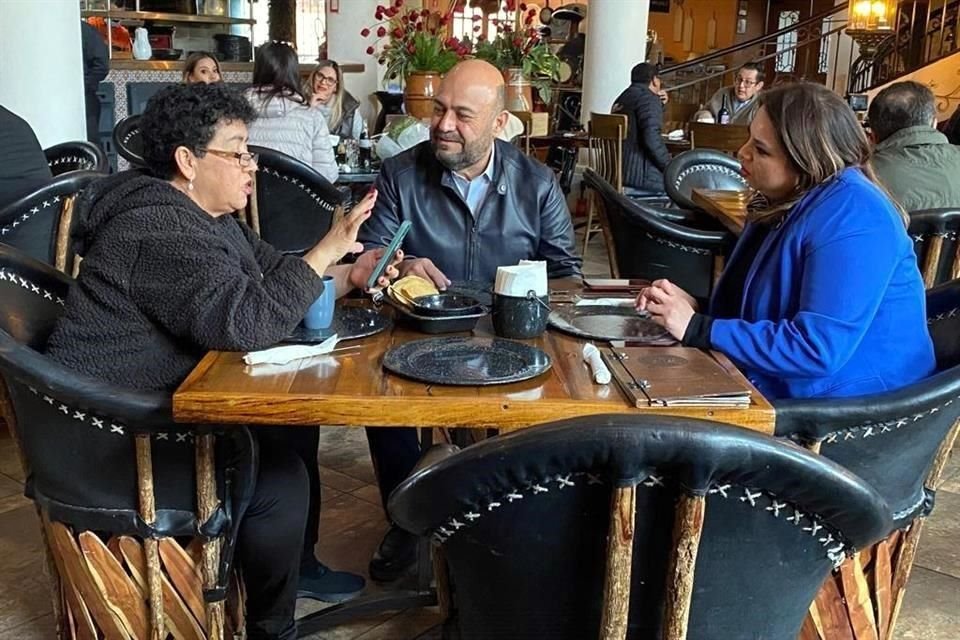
(78, 415)
(97, 422)
(492, 506)
(813, 528)
(721, 489)
(750, 497)
(116, 428)
(564, 481)
(775, 508)
(471, 516)
(513, 495)
(163, 435)
(63, 409)
(539, 489)
(654, 481)
(796, 517)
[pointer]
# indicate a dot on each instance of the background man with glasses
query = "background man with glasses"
(741, 98)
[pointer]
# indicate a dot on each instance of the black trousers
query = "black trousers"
(269, 542)
(395, 452)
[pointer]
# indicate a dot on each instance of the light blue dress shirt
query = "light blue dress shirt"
(473, 191)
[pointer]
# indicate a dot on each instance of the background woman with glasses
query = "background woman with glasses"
(326, 92)
(168, 274)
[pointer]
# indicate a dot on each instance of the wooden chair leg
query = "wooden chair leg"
(149, 515)
(587, 228)
(62, 246)
(616, 584)
(207, 503)
(687, 527)
(442, 576)
(932, 263)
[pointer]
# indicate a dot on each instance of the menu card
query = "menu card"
(676, 377)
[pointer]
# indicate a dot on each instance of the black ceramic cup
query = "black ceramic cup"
(520, 317)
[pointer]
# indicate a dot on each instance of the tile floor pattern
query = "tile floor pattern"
(353, 522)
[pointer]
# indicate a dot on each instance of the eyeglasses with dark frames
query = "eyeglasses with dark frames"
(245, 159)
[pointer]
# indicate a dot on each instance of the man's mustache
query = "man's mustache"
(448, 137)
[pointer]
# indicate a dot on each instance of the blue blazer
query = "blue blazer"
(833, 304)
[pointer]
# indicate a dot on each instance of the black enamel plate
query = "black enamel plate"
(596, 322)
(349, 323)
(466, 361)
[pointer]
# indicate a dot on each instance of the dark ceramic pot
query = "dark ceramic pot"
(520, 317)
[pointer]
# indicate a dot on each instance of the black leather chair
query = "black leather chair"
(896, 441)
(934, 233)
(701, 169)
(39, 223)
(78, 155)
(127, 140)
(294, 205)
(733, 529)
(88, 448)
(643, 244)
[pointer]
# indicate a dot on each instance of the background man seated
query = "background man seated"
(476, 203)
(914, 161)
(645, 155)
(741, 98)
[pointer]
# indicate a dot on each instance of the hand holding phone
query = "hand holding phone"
(387, 256)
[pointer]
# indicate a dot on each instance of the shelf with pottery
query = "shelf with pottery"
(166, 17)
(127, 64)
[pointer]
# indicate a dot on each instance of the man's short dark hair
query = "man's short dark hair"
(753, 66)
(187, 115)
(643, 73)
(901, 105)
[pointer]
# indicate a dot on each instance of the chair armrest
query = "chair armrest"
(812, 420)
(651, 217)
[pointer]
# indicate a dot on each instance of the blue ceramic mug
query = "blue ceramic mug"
(320, 313)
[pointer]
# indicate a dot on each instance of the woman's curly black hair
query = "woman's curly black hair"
(186, 115)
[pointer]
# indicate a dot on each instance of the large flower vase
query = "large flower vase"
(418, 93)
(519, 90)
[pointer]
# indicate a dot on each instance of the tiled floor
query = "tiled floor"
(353, 523)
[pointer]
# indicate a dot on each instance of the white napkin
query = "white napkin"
(518, 280)
(591, 355)
(289, 353)
(676, 134)
(606, 302)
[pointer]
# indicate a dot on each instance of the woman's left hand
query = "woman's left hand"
(670, 307)
(367, 262)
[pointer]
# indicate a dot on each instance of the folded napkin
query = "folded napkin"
(676, 134)
(591, 355)
(283, 355)
(517, 280)
(606, 302)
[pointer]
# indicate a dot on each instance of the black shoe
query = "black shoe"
(396, 553)
(319, 582)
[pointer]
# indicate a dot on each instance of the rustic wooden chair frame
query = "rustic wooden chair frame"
(605, 147)
(727, 138)
(526, 118)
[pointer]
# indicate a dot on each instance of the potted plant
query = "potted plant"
(525, 58)
(412, 45)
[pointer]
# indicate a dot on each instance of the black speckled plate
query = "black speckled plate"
(466, 361)
(482, 291)
(596, 322)
(349, 323)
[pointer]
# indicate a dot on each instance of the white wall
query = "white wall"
(41, 67)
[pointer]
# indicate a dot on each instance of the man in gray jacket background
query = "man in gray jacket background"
(914, 161)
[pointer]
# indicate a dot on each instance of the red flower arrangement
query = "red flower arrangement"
(415, 40)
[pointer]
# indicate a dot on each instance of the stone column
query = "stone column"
(616, 40)
(41, 67)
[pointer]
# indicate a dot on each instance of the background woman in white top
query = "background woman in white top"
(286, 122)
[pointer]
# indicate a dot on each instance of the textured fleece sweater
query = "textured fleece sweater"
(162, 282)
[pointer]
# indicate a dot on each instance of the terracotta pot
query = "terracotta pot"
(519, 90)
(418, 93)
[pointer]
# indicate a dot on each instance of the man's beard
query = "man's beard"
(469, 154)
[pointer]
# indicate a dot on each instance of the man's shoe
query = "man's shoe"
(396, 553)
(319, 582)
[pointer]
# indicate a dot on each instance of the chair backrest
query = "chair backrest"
(128, 141)
(39, 223)
(607, 133)
(677, 115)
(934, 233)
(293, 206)
(526, 119)
(78, 155)
(892, 439)
(701, 169)
(645, 526)
(642, 244)
(727, 138)
(76, 433)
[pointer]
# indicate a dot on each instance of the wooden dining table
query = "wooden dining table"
(353, 389)
(729, 207)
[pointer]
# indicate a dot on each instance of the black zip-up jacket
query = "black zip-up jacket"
(645, 155)
(523, 216)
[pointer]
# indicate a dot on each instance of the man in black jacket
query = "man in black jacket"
(645, 155)
(476, 203)
(95, 69)
(23, 166)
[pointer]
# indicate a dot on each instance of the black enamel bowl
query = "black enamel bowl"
(446, 305)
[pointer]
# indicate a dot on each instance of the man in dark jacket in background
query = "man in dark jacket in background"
(23, 167)
(914, 161)
(95, 68)
(645, 155)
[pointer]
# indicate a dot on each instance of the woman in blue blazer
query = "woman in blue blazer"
(822, 295)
